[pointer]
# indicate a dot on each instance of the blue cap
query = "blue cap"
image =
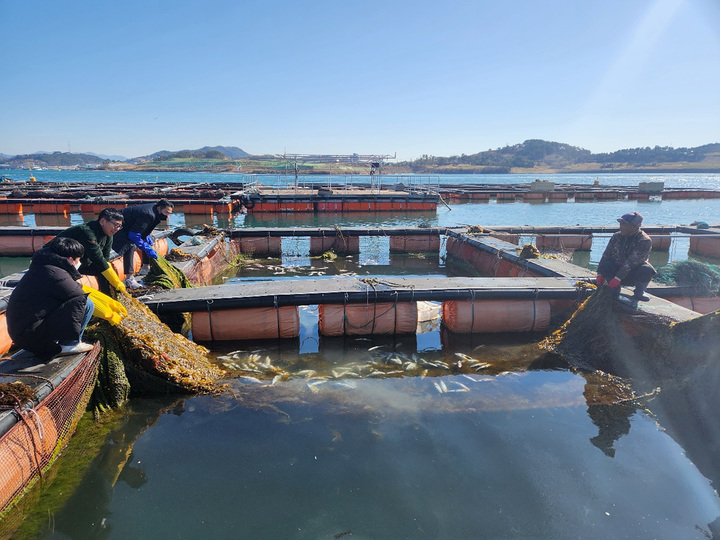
(632, 218)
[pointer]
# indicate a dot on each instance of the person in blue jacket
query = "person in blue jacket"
(139, 221)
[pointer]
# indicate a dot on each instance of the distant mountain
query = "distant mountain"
(5, 156)
(110, 158)
(539, 154)
(55, 159)
(231, 152)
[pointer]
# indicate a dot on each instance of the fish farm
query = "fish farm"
(379, 371)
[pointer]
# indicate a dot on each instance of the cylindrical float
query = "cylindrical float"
(493, 316)
(705, 245)
(414, 243)
(367, 319)
(344, 245)
(246, 323)
(577, 242)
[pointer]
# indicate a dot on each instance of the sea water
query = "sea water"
(520, 451)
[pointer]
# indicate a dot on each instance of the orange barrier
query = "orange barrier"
(118, 266)
(262, 245)
(367, 319)
(246, 323)
(579, 242)
(295, 207)
(161, 246)
(11, 208)
(202, 272)
(705, 245)
(699, 304)
(5, 341)
(339, 244)
(414, 243)
(51, 208)
(493, 316)
(24, 450)
(661, 242)
(31, 445)
(21, 246)
(558, 196)
(329, 206)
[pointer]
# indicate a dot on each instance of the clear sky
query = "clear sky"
(341, 76)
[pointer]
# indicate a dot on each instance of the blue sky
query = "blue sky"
(343, 76)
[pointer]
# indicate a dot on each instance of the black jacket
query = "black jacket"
(141, 219)
(48, 283)
(96, 243)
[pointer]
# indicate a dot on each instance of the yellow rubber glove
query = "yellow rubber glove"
(113, 279)
(106, 303)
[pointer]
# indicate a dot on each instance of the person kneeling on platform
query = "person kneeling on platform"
(625, 259)
(48, 310)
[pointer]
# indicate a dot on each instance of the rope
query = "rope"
(277, 314)
(210, 323)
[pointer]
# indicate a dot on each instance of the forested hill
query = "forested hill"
(545, 156)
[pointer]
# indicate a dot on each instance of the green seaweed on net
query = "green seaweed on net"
(703, 278)
(112, 387)
(158, 359)
(165, 275)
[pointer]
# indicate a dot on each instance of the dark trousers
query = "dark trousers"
(638, 277)
(64, 325)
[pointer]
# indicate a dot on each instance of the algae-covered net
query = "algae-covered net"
(165, 275)
(606, 334)
(160, 358)
(703, 278)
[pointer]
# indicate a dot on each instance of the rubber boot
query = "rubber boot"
(640, 292)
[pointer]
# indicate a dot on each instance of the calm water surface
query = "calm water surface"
(518, 449)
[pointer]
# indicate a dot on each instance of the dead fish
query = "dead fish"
(458, 387)
(481, 365)
(394, 360)
(276, 379)
(410, 366)
(307, 373)
(438, 388)
(249, 380)
(465, 357)
(376, 347)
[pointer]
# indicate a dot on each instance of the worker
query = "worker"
(48, 309)
(139, 221)
(625, 259)
(97, 238)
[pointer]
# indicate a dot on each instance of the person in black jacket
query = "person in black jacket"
(97, 238)
(139, 221)
(48, 310)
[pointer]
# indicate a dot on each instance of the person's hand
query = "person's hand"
(149, 240)
(115, 319)
(599, 280)
(614, 283)
(150, 252)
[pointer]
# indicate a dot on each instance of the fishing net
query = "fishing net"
(703, 278)
(158, 360)
(606, 334)
(165, 275)
(146, 355)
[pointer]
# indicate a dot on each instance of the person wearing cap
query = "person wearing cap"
(625, 259)
(97, 238)
(139, 221)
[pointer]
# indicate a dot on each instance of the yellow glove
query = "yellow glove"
(113, 279)
(105, 307)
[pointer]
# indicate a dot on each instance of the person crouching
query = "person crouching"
(625, 259)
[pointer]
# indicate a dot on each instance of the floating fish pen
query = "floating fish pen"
(33, 431)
